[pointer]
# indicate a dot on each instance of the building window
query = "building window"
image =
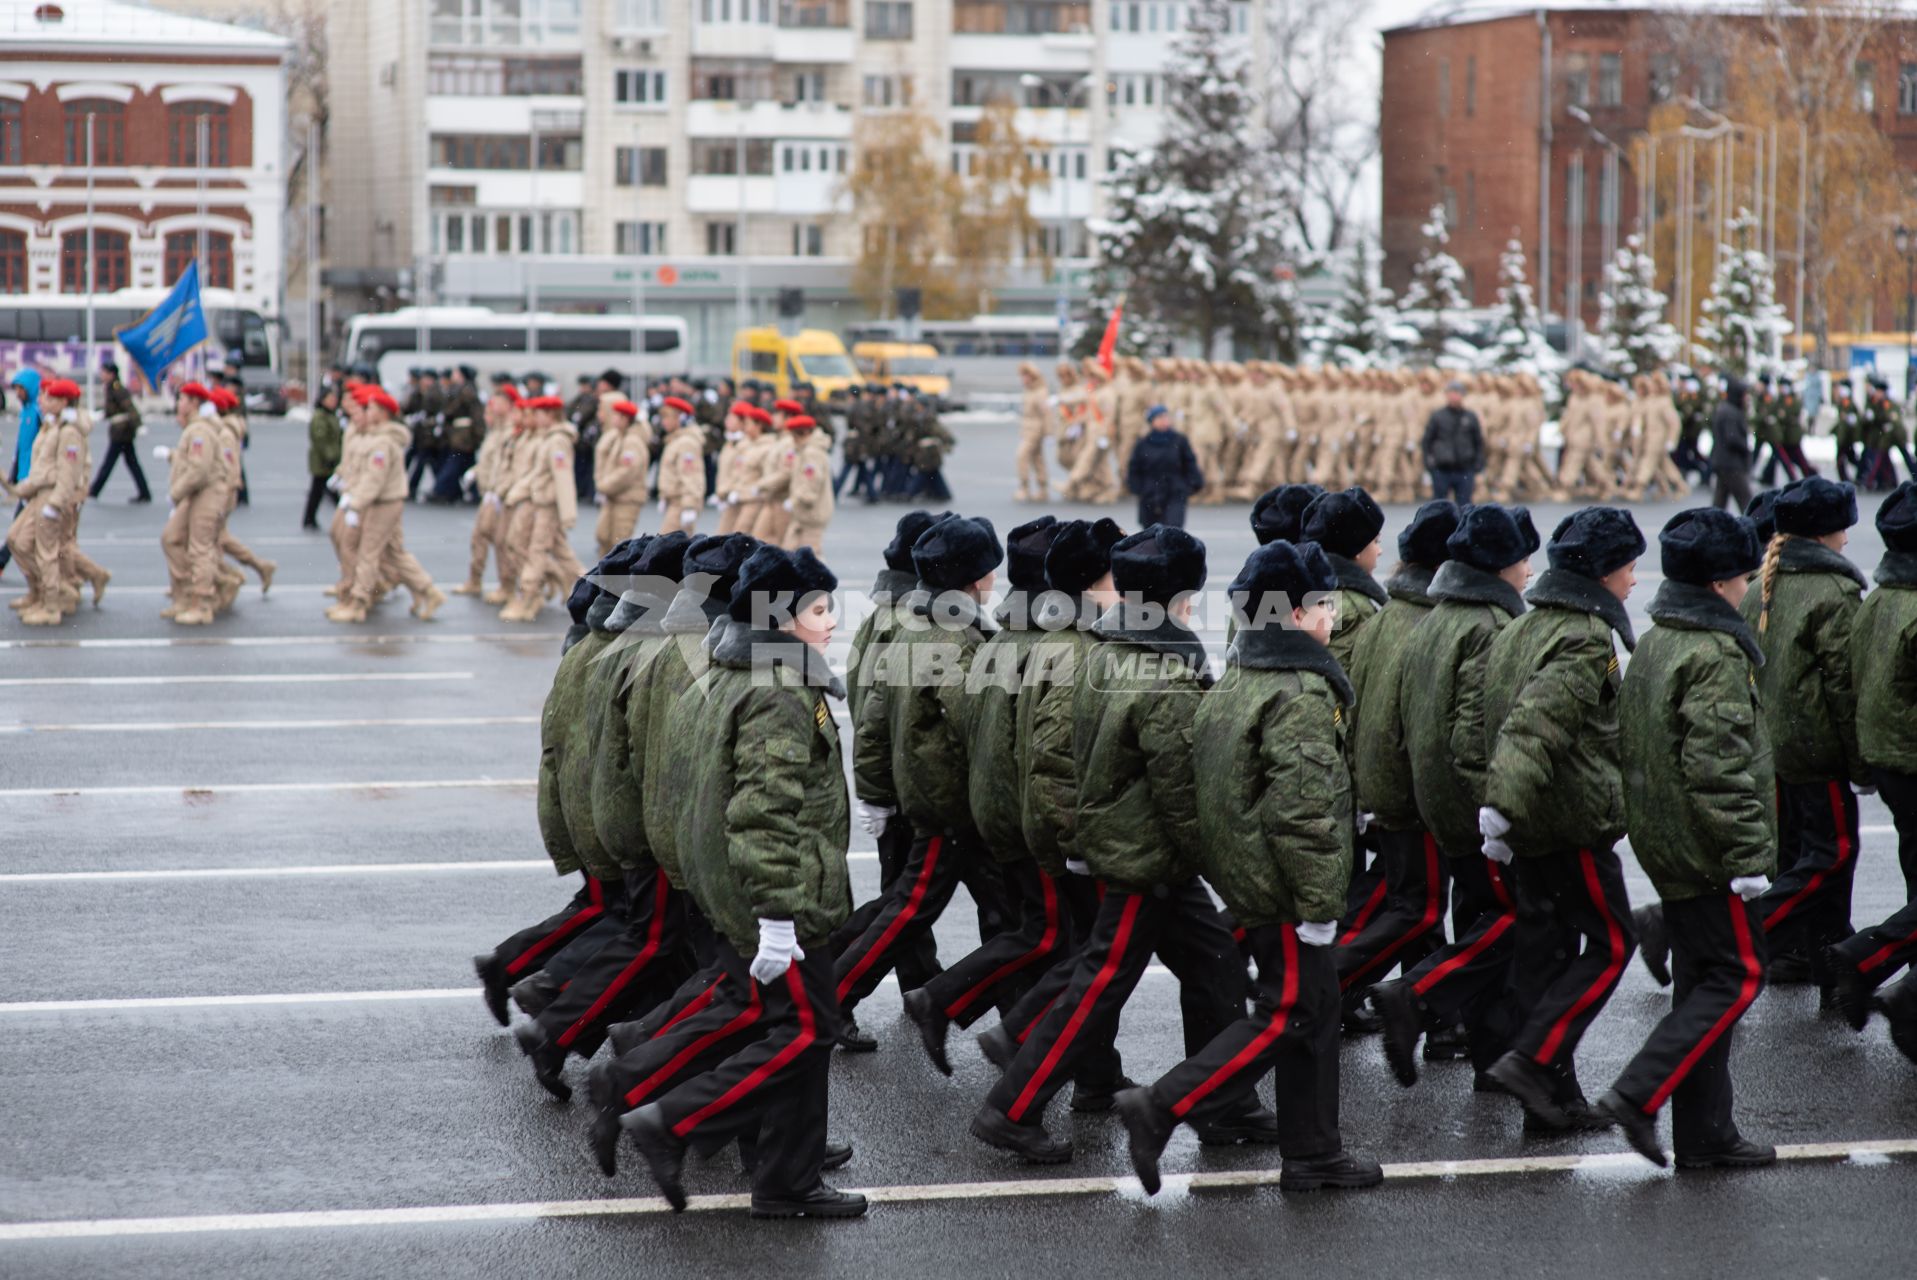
(808, 240)
(1444, 87)
(110, 261)
(808, 86)
(13, 261)
(1866, 76)
(215, 273)
(720, 156)
(1906, 94)
(183, 133)
(1471, 86)
(1450, 198)
(1610, 80)
(888, 91)
(561, 152)
(888, 19)
(1577, 87)
(1021, 17)
(11, 131)
(639, 166)
(638, 15)
(109, 132)
(1662, 83)
(1710, 82)
(646, 238)
(635, 87)
(722, 239)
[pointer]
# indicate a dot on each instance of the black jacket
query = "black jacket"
(1731, 431)
(1453, 440)
(1163, 468)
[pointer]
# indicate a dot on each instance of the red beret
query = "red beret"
(799, 422)
(224, 399)
(674, 402)
(196, 391)
(787, 406)
(545, 402)
(626, 407)
(383, 398)
(510, 393)
(741, 409)
(64, 388)
(754, 412)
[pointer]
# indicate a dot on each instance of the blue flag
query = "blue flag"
(168, 331)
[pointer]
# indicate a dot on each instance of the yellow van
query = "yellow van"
(810, 355)
(913, 363)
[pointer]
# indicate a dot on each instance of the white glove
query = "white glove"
(1103, 443)
(786, 505)
(732, 499)
(662, 506)
(345, 501)
(1497, 850)
(714, 502)
(778, 948)
(171, 507)
(598, 499)
(50, 513)
(352, 519)
(1318, 933)
(161, 453)
(1364, 822)
(333, 484)
(1077, 866)
(1748, 887)
(873, 818)
(1492, 824)
(690, 517)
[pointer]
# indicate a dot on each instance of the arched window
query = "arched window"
(109, 131)
(13, 261)
(215, 273)
(111, 261)
(183, 133)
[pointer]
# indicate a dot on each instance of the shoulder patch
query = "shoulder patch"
(820, 715)
(559, 460)
(627, 459)
(1337, 713)
(379, 459)
(198, 445)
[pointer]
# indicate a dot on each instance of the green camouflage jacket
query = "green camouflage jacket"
(993, 689)
(1381, 762)
(1883, 659)
(1048, 774)
(1359, 599)
(1810, 702)
(862, 662)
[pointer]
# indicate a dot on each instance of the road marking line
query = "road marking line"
(221, 1002)
(309, 677)
(262, 788)
(267, 642)
(924, 1193)
(177, 726)
(328, 869)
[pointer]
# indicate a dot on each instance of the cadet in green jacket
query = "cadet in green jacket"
(764, 857)
(1347, 526)
(1883, 651)
(1698, 803)
(1441, 702)
(1134, 701)
(913, 754)
(1006, 963)
(1554, 798)
(1275, 825)
(1807, 600)
(1396, 925)
(324, 443)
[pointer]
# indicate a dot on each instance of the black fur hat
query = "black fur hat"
(665, 556)
(1815, 506)
(898, 553)
(1279, 513)
(1158, 564)
(720, 557)
(1293, 571)
(1081, 554)
(777, 582)
(1493, 538)
(1897, 517)
(1422, 541)
(1706, 545)
(1763, 513)
(1343, 523)
(1025, 549)
(956, 552)
(1595, 541)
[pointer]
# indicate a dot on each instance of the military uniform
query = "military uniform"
(375, 501)
(123, 428)
(1033, 423)
(197, 489)
(553, 501)
(810, 503)
(620, 466)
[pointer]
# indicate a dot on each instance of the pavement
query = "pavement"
(244, 868)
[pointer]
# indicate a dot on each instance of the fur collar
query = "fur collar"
(599, 612)
(1280, 648)
(1056, 611)
(1353, 578)
(1897, 569)
(574, 634)
(691, 612)
(639, 612)
(1807, 555)
(1019, 610)
(1562, 589)
(1695, 608)
(1128, 623)
(951, 610)
(742, 646)
(1468, 584)
(1411, 583)
(891, 584)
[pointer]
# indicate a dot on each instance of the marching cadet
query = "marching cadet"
(725, 472)
(518, 472)
(375, 504)
(1441, 704)
(912, 753)
(765, 861)
(1272, 749)
(1346, 527)
(1694, 401)
(422, 416)
(197, 488)
(810, 505)
(1658, 430)
(1034, 419)
(75, 461)
(464, 420)
(620, 464)
(1014, 957)
(37, 532)
(1134, 394)
(1883, 653)
(123, 426)
(344, 537)
(1070, 406)
(1554, 799)
(1092, 479)
(324, 441)
(1207, 425)
(1136, 830)
(1397, 925)
(491, 466)
(740, 513)
(1163, 471)
(682, 467)
(1698, 804)
(1848, 433)
(233, 426)
(551, 496)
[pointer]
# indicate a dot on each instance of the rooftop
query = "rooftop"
(1452, 13)
(104, 24)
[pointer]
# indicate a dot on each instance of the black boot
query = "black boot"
(535, 993)
(1447, 1044)
(998, 1046)
(1149, 1129)
(665, 1155)
(548, 1060)
(1341, 1170)
(853, 1040)
(1531, 1085)
(1741, 1154)
(492, 977)
(1639, 1129)
(1030, 1142)
(1256, 1125)
(933, 1026)
(1848, 988)
(820, 1202)
(1653, 944)
(1399, 1009)
(623, 1037)
(604, 1134)
(1095, 1098)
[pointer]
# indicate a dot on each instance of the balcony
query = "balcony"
(815, 15)
(787, 195)
(817, 120)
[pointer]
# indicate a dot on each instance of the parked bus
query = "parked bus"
(916, 364)
(980, 355)
(48, 332)
(786, 360)
(504, 342)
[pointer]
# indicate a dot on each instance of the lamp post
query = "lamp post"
(1902, 239)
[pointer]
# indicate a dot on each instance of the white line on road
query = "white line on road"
(270, 642)
(308, 677)
(328, 869)
(260, 788)
(178, 726)
(1610, 1163)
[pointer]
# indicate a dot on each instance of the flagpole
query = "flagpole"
(86, 357)
(312, 264)
(199, 244)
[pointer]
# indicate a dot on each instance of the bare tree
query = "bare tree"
(1323, 134)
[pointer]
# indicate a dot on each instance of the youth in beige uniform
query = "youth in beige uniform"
(1092, 477)
(76, 465)
(197, 487)
(552, 496)
(682, 470)
(375, 504)
(519, 474)
(51, 494)
(1658, 429)
(1069, 404)
(1034, 415)
(233, 442)
(774, 483)
(739, 511)
(500, 407)
(620, 463)
(810, 504)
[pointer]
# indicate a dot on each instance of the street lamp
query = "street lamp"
(1081, 85)
(1902, 239)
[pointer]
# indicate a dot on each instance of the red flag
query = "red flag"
(1109, 342)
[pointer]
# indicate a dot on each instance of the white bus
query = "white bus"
(504, 342)
(48, 332)
(980, 355)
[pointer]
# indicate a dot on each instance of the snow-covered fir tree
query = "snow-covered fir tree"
(1435, 297)
(1742, 325)
(1358, 330)
(1198, 231)
(1635, 336)
(1521, 347)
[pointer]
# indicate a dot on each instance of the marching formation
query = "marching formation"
(1281, 832)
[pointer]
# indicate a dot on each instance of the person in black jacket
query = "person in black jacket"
(1453, 447)
(1731, 448)
(1163, 472)
(123, 424)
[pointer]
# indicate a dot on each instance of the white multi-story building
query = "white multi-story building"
(690, 155)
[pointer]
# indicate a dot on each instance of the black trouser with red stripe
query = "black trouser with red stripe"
(1003, 967)
(529, 950)
(707, 1026)
(937, 864)
(1181, 926)
(1366, 892)
(918, 961)
(1808, 905)
(1293, 1028)
(1469, 981)
(1573, 939)
(1408, 917)
(775, 1081)
(1717, 968)
(1877, 953)
(1899, 791)
(635, 971)
(1100, 1068)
